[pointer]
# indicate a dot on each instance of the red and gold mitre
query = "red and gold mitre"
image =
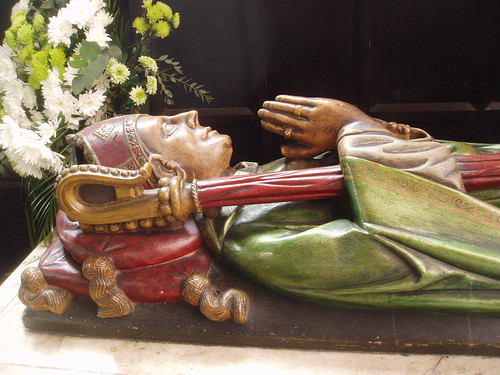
(113, 143)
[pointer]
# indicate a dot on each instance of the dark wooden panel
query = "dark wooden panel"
(423, 50)
(211, 48)
(433, 64)
(310, 48)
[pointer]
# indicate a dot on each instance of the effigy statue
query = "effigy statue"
(360, 212)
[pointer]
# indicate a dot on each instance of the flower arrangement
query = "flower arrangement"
(65, 64)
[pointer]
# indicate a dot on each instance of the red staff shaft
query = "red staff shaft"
(478, 172)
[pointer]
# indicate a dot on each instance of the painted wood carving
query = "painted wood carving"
(360, 212)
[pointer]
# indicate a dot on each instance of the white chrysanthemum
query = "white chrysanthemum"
(60, 30)
(23, 168)
(29, 97)
(51, 87)
(8, 132)
(102, 83)
(90, 102)
(36, 116)
(76, 50)
(69, 75)
(102, 18)
(13, 89)
(71, 108)
(74, 123)
(14, 109)
(7, 66)
(47, 130)
(58, 101)
(98, 34)
(98, 4)
(31, 147)
(81, 12)
(26, 150)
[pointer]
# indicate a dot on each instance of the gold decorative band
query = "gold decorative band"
(194, 196)
(132, 139)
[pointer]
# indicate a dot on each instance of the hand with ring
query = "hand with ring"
(312, 124)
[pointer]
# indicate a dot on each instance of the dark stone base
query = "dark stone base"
(279, 321)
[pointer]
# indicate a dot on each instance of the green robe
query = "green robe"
(398, 241)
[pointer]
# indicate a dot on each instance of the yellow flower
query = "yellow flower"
(138, 95)
(38, 76)
(40, 65)
(40, 59)
(166, 10)
(18, 20)
(147, 4)
(149, 63)
(43, 38)
(33, 82)
(141, 25)
(11, 39)
(38, 22)
(162, 29)
(176, 20)
(118, 72)
(18, 15)
(26, 52)
(25, 34)
(154, 13)
(58, 59)
(151, 85)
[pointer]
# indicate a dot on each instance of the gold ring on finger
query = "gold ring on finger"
(297, 111)
(287, 133)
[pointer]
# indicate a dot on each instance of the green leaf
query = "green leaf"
(78, 84)
(89, 50)
(97, 67)
(78, 64)
(85, 80)
(4, 171)
(41, 207)
(48, 4)
(115, 51)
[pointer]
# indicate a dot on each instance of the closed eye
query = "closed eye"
(169, 129)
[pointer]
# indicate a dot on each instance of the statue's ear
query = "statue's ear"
(165, 168)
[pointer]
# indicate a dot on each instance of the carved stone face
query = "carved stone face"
(199, 150)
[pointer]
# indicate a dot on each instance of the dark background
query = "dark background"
(429, 63)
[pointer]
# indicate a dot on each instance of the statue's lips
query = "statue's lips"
(209, 132)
